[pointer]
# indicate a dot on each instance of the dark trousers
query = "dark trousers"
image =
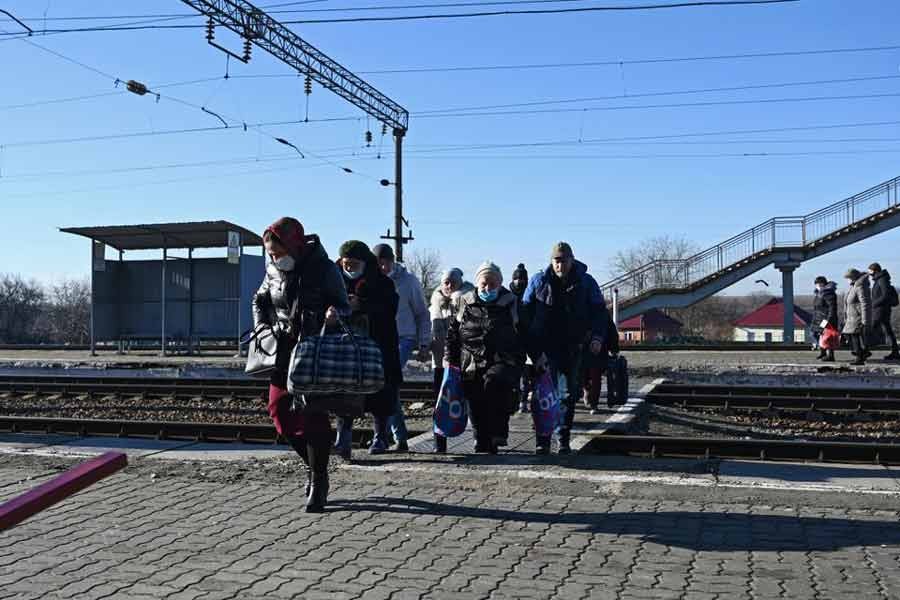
(489, 395)
(858, 345)
(884, 322)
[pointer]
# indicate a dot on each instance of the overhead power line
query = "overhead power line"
(225, 124)
(496, 106)
(448, 16)
(669, 93)
(627, 62)
(313, 10)
(499, 113)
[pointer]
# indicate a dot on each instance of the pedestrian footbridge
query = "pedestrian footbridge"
(785, 242)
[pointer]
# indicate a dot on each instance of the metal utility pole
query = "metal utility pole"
(255, 27)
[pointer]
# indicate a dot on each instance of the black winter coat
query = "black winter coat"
(374, 301)
(825, 307)
(295, 302)
(882, 296)
(484, 335)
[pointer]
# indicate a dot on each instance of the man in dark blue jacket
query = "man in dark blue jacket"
(566, 316)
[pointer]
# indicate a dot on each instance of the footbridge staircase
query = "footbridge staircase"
(785, 242)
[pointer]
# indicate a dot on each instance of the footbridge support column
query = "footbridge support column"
(787, 286)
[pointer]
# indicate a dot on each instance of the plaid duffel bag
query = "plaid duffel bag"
(336, 363)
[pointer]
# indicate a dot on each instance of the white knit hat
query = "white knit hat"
(488, 267)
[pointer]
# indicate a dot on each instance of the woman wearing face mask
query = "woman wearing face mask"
(483, 342)
(301, 291)
(373, 301)
(825, 309)
(859, 314)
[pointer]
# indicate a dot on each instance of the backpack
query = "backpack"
(892, 299)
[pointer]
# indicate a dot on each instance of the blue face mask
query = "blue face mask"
(353, 274)
(488, 296)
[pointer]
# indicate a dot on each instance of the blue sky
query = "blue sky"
(506, 204)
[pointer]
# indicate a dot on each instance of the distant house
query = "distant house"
(766, 324)
(652, 326)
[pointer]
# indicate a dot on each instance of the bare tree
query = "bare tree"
(666, 273)
(68, 311)
(20, 308)
(425, 264)
(713, 318)
(656, 248)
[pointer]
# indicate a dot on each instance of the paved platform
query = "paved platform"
(399, 527)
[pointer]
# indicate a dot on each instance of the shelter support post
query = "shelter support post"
(93, 301)
(162, 308)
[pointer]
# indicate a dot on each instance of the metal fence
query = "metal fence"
(775, 234)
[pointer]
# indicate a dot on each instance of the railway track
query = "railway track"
(775, 450)
(158, 430)
(782, 399)
(154, 387)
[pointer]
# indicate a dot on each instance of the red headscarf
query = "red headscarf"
(290, 233)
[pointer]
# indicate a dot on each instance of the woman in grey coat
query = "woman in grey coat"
(858, 321)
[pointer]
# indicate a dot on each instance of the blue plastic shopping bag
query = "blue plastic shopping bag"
(545, 405)
(451, 412)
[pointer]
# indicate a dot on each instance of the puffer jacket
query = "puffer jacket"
(441, 310)
(859, 306)
(294, 302)
(563, 316)
(484, 334)
(413, 320)
(825, 306)
(883, 296)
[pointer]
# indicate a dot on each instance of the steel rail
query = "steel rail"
(774, 450)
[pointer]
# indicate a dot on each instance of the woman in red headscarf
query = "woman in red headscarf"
(302, 291)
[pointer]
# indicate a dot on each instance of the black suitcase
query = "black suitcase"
(617, 380)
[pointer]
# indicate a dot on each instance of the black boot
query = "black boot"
(823, 354)
(894, 355)
(440, 444)
(299, 446)
(542, 445)
(318, 464)
(829, 357)
(564, 447)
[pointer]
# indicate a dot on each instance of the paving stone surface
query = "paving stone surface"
(154, 532)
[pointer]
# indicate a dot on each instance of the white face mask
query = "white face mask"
(285, 263)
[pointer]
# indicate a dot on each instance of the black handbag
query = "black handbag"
(262, 352)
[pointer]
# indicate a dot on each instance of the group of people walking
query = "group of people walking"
(557, 321)
(868, 303)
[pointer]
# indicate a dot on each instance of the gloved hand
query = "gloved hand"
(279, 330)
(596, 346)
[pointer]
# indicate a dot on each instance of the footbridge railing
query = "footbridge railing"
(775, 234)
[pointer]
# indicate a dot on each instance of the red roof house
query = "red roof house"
(766, 324)
(648, 327)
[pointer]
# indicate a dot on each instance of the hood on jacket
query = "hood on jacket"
(862, 281)
(831, 286)
(398, 272)
(883, 274)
